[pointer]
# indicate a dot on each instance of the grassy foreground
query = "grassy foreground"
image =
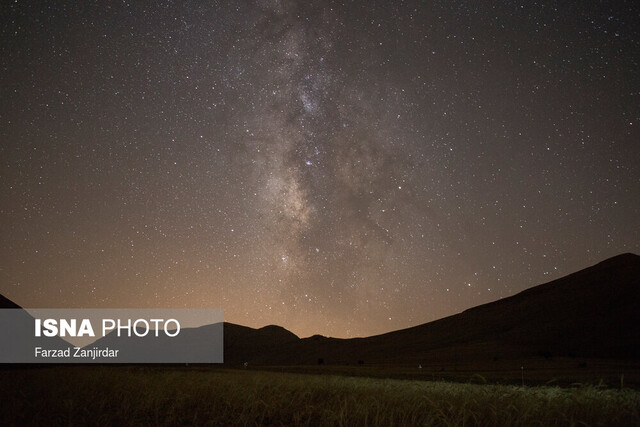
(112, 395)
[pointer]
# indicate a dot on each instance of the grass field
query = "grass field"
(117, 395)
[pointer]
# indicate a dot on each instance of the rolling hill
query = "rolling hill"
(593, 313)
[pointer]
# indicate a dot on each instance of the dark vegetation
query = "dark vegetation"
(121, 395)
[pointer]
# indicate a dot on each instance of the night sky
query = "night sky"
(341, 168)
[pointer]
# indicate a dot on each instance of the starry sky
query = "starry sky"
(341, 168)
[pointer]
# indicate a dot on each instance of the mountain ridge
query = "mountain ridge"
(591, 313)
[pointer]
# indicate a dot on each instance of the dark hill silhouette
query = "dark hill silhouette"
(7, 303)
(264, 345)
(594, 313)
(21, 323)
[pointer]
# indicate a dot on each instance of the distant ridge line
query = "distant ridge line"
(591, 313)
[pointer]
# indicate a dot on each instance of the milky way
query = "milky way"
(335, 168)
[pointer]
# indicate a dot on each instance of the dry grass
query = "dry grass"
(112, 395)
